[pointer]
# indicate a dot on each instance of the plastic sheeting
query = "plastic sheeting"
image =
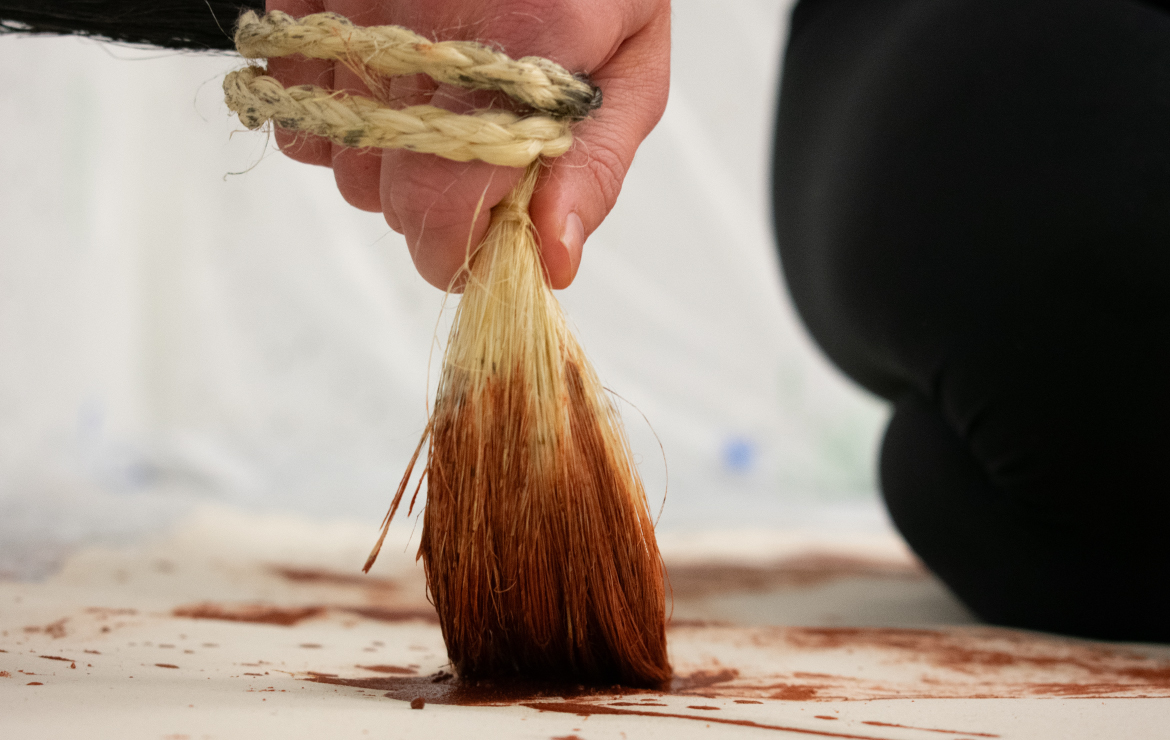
(187, 315)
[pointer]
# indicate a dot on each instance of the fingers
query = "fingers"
(583, 185)
(628, 53)
(404, 91)
(442, 207)
(357, 171)
(296, 70)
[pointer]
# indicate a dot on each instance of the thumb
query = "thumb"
(581, 187)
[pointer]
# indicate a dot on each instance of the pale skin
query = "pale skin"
(442, 206)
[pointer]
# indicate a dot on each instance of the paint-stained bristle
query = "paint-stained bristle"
(537, 540)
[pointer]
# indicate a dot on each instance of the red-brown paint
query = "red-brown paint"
(394, 614)
(54, 630)
(444, 688)
(928, 729)
(685, 623)
(961, 663)
(702, 680)
(398, 670)
(955, 650)
(290, 616)
(794, 693)
(587, 710)
(333, 578)
(255, 613)
(700, 580)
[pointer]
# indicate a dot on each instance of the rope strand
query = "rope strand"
(535, 82)
(495, 136)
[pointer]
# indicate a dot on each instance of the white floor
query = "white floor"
(110, 648)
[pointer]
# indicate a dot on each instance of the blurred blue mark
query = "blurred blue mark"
(739, 455)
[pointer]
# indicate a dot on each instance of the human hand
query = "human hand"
(623, 45)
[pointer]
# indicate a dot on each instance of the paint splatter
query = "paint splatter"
(255, 613)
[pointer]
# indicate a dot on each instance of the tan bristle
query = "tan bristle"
(537, 540)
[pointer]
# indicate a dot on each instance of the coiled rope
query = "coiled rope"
(496, 136)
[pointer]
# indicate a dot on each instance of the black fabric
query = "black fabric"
(198, 25)
(972, 203)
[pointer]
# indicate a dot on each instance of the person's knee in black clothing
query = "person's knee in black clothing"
(972, 202)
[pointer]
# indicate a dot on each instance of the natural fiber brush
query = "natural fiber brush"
(537, 542)
(538, 546)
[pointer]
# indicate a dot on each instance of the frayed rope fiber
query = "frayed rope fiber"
(537, 540)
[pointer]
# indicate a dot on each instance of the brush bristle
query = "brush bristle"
(537, 540)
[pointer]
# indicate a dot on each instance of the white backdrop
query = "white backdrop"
(172, 333)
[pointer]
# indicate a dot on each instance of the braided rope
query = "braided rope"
(494, 136)
(390, 50)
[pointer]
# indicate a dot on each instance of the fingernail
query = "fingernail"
(573, 240)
